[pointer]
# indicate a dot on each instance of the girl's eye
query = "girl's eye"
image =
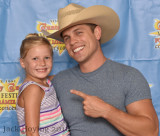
(35, 58)
(47, 57)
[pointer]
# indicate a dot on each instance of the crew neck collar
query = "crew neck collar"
(93, 72)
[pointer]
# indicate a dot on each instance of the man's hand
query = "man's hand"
(93, 106)
(139, 120)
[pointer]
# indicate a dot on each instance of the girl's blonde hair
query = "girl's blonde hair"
(32, 40)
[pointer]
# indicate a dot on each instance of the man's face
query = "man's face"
(81, 43)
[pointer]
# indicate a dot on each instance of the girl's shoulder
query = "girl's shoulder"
(29, 91)
(33, 90)
(31, 87)
(28, 84)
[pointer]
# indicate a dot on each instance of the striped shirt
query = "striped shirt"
(51, 119)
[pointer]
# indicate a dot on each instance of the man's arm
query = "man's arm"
(140, 119)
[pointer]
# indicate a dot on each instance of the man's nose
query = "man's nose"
(73, 40)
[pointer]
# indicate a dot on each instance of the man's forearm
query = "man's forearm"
(131, 125)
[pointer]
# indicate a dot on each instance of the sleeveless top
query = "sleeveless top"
(51, 119)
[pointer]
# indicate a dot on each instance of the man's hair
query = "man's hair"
(92, 26)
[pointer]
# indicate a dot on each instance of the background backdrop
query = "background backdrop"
(137, 44)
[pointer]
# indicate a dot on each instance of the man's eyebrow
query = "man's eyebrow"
(76, 29)
(65, 35)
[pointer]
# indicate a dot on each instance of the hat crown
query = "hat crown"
(65, 15)
(100, 15)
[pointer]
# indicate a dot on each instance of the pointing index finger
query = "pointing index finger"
(79, 93)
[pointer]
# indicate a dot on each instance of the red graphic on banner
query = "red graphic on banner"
(8, 94)
(51, 28)
(156, 33)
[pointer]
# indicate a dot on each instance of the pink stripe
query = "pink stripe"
(45, 119)
(49, 81)
(45, 114)
(51, 117)
(22, 129)
(66, 134)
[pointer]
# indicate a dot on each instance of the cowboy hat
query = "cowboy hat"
(74, 14)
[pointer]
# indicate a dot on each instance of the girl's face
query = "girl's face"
(37, 63)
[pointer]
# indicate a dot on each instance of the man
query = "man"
(108, 98)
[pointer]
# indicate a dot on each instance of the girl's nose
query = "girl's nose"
(42, 62)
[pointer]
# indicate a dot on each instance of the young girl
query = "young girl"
(38, 110)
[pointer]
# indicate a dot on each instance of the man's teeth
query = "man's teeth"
(78, 49)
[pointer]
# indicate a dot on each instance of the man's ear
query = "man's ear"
(22, 63)
(97, 32)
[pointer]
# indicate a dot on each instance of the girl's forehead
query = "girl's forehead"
(39, 49)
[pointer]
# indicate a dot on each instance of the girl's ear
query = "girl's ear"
(97, 32)
(22, 63)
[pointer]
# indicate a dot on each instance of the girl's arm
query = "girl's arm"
(32, 96)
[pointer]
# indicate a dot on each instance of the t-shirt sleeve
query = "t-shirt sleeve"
(53, 81)
(138, 87)
(56, 83)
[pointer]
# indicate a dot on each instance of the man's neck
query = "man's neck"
(91, 66)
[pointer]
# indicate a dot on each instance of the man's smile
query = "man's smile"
(78, 49)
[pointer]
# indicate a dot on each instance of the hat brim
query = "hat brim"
(100, 15)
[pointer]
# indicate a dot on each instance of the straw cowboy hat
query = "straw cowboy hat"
(74, 14)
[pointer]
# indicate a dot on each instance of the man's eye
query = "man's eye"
(66, 39)
(79, 32)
